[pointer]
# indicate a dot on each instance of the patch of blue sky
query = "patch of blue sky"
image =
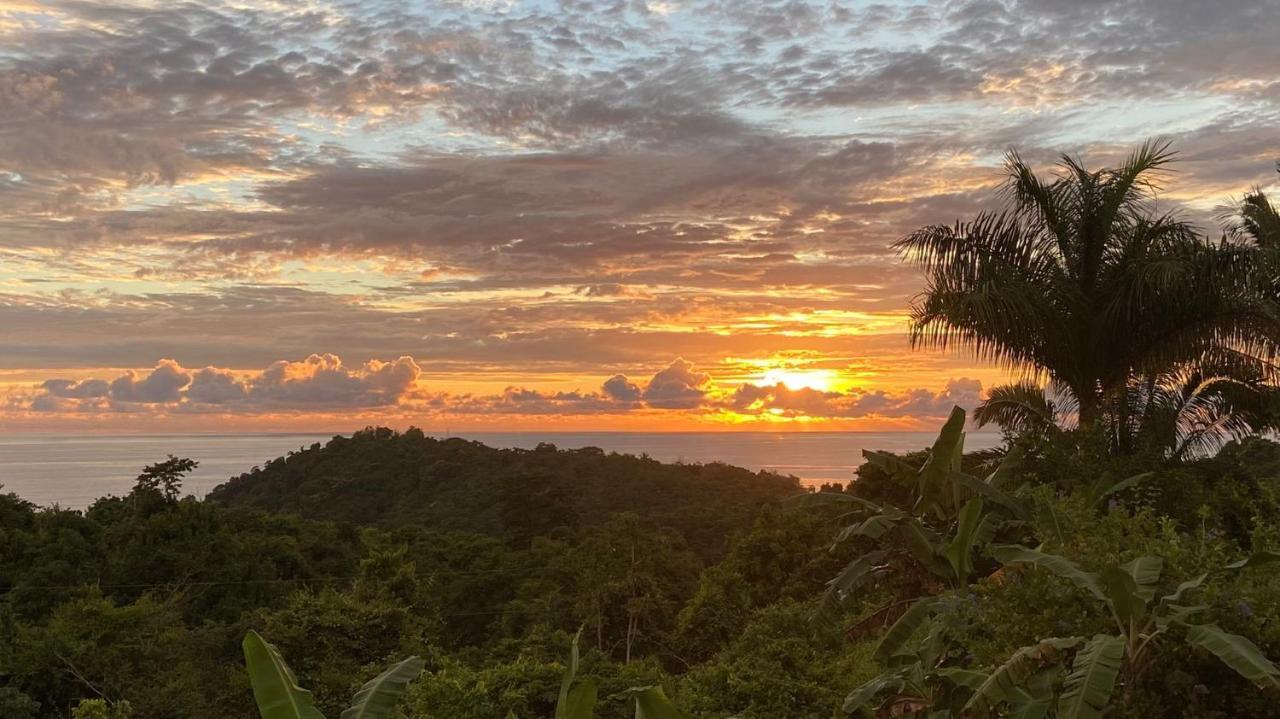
(240, 192)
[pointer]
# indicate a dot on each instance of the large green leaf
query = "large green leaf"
(1123, 595)
(892, 464)
(1006, 683)
(1061, 566)
(853, 575)
(1255, 560)
(988, 492)
(275, 689)
(378, 697)
(936, 489)
(581, 703)
(1236, 652)
(961, 677)
(875, 527)
(652, 703)
(862, 695)
(906, 627)
(1177, 613)
(923, 546)
(1088, 688)
(1036, 699)
(1105, 486)
(1031, 707)
(960, 550)
(576, 700)
(1007, 469)
(990, 525)
(1146, 574)
(1183, 588)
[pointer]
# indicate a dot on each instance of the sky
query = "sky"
(613, 215)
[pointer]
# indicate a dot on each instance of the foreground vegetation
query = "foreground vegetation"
(146, 599)
(1117, 556)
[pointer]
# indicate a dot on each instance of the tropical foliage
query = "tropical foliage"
(278, 696)
(1134, 319)
(948, 515)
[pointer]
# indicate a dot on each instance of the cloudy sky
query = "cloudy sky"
(576, 214)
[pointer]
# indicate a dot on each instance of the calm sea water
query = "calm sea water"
(73, 471)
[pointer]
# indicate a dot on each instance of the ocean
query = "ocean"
(72, 471)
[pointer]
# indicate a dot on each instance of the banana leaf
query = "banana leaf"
(275, 688)
(1088, 688)
(378, 697)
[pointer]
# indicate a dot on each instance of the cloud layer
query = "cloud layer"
(316, 382)
(535, 194)
(323, 383)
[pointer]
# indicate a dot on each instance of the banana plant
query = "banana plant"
(919, 680)
(577, 699)
(924, 683)
(278, 695)
(951, 514)
(1099, 663)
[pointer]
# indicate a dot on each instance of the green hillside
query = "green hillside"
(388, 478)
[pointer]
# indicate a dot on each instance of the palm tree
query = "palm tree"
(1187, 412)
(1079, 282)
(1255, 219)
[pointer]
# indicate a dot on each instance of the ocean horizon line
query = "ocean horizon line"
(449, 434)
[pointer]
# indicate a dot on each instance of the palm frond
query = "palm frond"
(1018, 408)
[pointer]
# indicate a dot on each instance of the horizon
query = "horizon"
(528, 216)
(446, 434)
(75, 470)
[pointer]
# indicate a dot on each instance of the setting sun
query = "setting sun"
(818, 379)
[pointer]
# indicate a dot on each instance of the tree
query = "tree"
(165, 478)
(1255, 220)
(630, 580)
(1079, 281)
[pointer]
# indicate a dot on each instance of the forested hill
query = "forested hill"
(379, 476)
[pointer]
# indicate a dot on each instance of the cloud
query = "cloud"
(163, 384)
(618, 387)
(324, 380)
(318, 381)
(779, 399)
(216, 386)
(678, 386)
(322, 383)
(70, 389)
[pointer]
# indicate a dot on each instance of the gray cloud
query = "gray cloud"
(678, 386)
(620, 388)
(318, 381)
(162, 384)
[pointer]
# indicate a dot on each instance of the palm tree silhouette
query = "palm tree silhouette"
(1133, 319)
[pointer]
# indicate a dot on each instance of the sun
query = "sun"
(815, 379)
